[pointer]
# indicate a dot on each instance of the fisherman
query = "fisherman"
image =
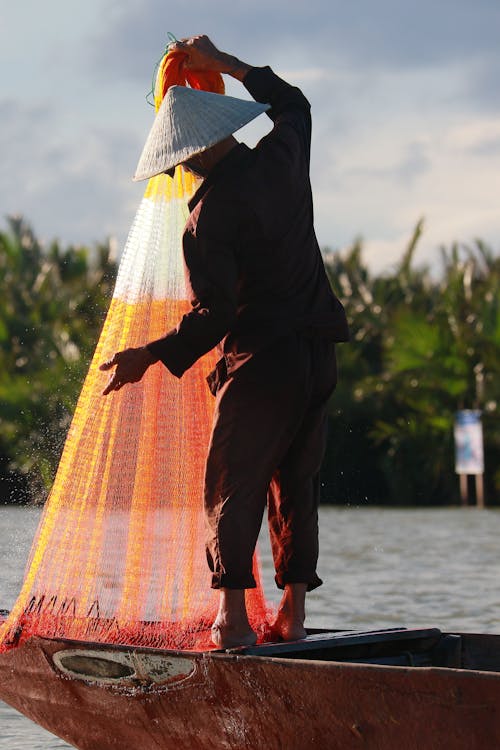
(259, 291)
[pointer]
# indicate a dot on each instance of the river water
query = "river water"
(382, 568)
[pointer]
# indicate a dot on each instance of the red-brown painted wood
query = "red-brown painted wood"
(256, 703)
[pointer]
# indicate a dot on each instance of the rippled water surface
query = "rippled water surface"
(381, 568)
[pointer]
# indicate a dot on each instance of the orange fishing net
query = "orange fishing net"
(119, 554)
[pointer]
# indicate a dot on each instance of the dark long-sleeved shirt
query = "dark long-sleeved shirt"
(253, 265)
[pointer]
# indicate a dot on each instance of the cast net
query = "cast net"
(119, 554)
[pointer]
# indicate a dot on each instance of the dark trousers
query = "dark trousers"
(267, 444)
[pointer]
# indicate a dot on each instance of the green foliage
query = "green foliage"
(421, 349)
(52, 304)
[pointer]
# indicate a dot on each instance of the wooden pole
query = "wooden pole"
(464, 491)
(479, 491)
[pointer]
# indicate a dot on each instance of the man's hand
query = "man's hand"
(131, 364)
(202, 54)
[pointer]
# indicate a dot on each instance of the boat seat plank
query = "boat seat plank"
(343, 638)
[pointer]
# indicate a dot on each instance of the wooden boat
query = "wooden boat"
(336, 690)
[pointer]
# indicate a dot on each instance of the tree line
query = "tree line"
(53, 302)
(422, 347)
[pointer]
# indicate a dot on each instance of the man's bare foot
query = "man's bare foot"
(227, 636)
(289, 623)
(231, 627)
(288, 630)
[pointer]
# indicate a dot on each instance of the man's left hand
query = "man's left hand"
(130, 364)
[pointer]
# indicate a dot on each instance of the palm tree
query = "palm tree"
(423, 349)
(52, 304)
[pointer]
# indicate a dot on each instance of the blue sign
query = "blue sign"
(469, 453)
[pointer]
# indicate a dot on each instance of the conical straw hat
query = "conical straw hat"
(190, 121)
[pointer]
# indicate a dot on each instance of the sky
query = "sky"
(405, 101)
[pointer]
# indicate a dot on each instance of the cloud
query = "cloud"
(481, 88)
(405, 170)
(79, 190)
(480, 137)
(379, 179)
(382, 35)
(488, 148)
(404, 100)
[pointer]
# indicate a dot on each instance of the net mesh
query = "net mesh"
(119, 553)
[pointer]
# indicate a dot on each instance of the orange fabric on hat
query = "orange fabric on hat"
(173, 73)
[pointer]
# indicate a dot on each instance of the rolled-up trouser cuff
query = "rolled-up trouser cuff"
(224, 581)
(312, 583)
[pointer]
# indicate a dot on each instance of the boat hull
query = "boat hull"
(178, 701)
